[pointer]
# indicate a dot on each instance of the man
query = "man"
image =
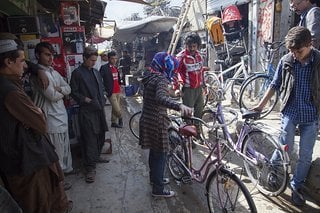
(111, 80)
(297, 79)
(191, 72)
(28, 164)
(87, 90)
(32, 68)
(309, 18)
(124, 65)
(154, 121)
(51, 102)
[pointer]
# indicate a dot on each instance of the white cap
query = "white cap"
(8, 45)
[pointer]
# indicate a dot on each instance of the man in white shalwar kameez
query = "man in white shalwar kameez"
(51, 102)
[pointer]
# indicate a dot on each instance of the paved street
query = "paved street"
(122, 185)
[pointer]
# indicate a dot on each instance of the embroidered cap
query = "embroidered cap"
(8, 45)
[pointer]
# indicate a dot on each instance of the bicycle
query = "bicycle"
(135, 119)
(241, 72)
(224, 190)
(266, 161)
(256, 85)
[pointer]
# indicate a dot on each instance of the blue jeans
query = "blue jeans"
(308, 135)
(157, 163)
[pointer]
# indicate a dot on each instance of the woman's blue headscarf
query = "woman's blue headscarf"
(164, 63)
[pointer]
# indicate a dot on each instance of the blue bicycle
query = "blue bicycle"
(255, 86)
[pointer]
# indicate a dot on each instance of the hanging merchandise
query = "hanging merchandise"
(70, 13)
(73, 39)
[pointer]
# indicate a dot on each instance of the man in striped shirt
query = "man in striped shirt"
(297, 79)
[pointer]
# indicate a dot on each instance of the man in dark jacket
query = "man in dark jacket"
(297, 79)
(111, 80)
(309, 14)
(87, 90)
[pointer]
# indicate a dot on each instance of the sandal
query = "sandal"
(90, 176)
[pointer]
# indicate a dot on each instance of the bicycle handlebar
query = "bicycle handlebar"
(216, 125)
(274, 46)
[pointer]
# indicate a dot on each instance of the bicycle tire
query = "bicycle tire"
(209, 116)
(177, 149)
(227, 193)
(134, 124)
(270, 176)
(236, 88)
(249, 98)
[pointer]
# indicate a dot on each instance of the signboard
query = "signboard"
(73, 39)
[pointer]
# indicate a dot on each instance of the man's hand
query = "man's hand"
(87, 100)
(185, 110)
(58, 89)
(43, 79)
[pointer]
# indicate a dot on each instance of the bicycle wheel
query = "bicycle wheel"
(236, 86)
(267, 166)
(177, 154)
(134, 124)
(253, 91)
(212, 136)
(226, 193)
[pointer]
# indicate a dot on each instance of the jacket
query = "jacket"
(154, 120)
(310, 19)
(190, 69)
(287, 82)
(22, 150)
(107, 77)
(82, 87)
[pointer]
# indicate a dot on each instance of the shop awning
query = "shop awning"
(147, 27)
(136, 1)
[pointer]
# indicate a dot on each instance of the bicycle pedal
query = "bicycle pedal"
(186, 179)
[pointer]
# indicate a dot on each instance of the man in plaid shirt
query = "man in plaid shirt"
(297, 79)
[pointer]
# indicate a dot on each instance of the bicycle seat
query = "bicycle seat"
(188, 130)
(250, 114)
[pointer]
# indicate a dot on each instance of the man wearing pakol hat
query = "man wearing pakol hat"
(28, 163)
(31, 68)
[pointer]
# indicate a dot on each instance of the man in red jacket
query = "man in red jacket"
(191, 73)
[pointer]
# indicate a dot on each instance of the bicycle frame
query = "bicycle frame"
(240, 67)
(236, 146)
(201, 174)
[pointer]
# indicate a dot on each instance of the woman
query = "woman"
(154, 120)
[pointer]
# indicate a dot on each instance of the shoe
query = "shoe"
(90, 176)
(67, 186)
(297, 197)
(164, 193)
(109, 150)
(101, 160)
(115, 125)
(120, 122)
(165, 181)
